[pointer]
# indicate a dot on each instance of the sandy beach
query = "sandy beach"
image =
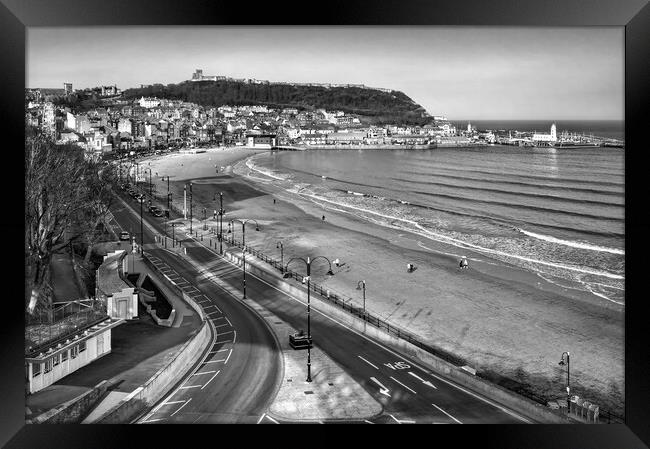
(507, 323)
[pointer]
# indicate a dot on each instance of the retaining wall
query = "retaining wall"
(74, 410)
(508, 398)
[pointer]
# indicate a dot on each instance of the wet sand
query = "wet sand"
(507, 323)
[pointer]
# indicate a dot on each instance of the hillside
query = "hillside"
(377, 105)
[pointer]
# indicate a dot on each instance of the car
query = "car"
(158, 213)
(125, 235)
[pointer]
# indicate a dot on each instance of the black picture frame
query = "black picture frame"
(634, 15)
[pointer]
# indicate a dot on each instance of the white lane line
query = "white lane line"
(219, 309)
(217, 318)
(206, 384)
(203, 372)
(153, 420)
(367, 362)
(268, 417)
(205, 307)
(412, 391)
(234, 337)
(227, 332)
(446, 413)
(228, 355)
(172, 402)
(408, 421)
(215, 361)
(369, 422)
(179, 408)
(189, 386)
(223, 342)
(211, 313)
(426, 370)
(398, 421)
(222, 350)
(229, 321)
(261, 418)
(221, 325)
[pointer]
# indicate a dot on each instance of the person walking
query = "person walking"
(463, 263)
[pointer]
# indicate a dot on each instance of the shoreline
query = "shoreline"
(508, 323)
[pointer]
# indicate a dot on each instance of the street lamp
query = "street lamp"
(308, 262)
(362, 285)
(243, 242)
(145, 170)
(191, 208)
(169, 195)
(281, 246)
(141, 228)
(568, 388)
(221, 212)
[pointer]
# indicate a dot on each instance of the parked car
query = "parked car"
(158, 213)
(125, 235)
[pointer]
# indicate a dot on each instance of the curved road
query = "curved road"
(408, 392)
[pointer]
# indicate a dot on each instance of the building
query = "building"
(149, 102)
(261, 140)
(199, 76)
(539, 138)
(50, 362)
(67, 87)
(121, 298)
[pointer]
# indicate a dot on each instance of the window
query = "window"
(74, 351)
(48, 366)
(82, 346)
(56, 359)
(64, 355)
(36, 369)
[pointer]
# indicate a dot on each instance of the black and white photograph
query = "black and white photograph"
(302, 224)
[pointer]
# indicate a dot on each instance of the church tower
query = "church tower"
(553, 132)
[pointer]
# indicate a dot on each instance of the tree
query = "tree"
(65, 196)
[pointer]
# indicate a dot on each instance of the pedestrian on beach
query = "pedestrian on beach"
(463, 263)
(323, 218)
(273, 200)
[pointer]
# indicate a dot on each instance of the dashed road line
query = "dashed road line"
(412, 391)
(203, 372)
(228, 355)
(222, 325)
(189, 386)
(229, 322)
(446, 413)
(215, 361)
(206, 384)
(172, 402)
(367, 362)
(153, 420)
(179, 409)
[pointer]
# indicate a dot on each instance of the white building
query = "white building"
(149, 102)
(552, 137)
(50, 363)
(121, 299)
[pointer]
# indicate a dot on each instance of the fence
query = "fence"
(50, 325)
(345, 302)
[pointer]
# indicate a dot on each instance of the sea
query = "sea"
(559, 213)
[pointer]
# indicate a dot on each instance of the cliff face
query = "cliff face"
(375, 104)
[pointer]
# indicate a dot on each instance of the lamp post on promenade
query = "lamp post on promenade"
(191, 208)
(221, 212)
(232, 237)
(150, 185)
(168, 193)
(243, 230)
(281, 246)
(568, 388)
(141, 227)
(308, 262)
(362, 285)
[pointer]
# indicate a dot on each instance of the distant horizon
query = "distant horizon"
(484, 72)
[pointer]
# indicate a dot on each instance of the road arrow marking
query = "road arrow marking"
(383, 390)
(425, 382)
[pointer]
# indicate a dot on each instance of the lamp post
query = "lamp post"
(141, 228)
(232, 237)
(150, 185)
(243, 240)
(362, 285)
(308, 262)
(169, 195)
(221, 212)
(568, 388)
(191, 208)
(281, 246)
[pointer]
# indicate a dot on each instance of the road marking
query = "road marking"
(487, 401)
(153, 420)
(221, 325)
(412, 391)
(189, 386)
(203, 372)
(369, 422)
(211, 313)
(234, 337)
(222, 350)
(425, 382)
(228, 355)
(172, 402)
(188, 401)
(261, 418)
(367, 362)
(408, 421)
(229, 322)
(446, 413)
(383, 390)
(272, 419)
(215, 361)
(222, 342)
(211, 305)
(227, 332)
(398, 421)
(206, 384)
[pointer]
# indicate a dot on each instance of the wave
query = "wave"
(572, 244)
(462, 244)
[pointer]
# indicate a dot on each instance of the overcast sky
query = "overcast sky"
(460, 72)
